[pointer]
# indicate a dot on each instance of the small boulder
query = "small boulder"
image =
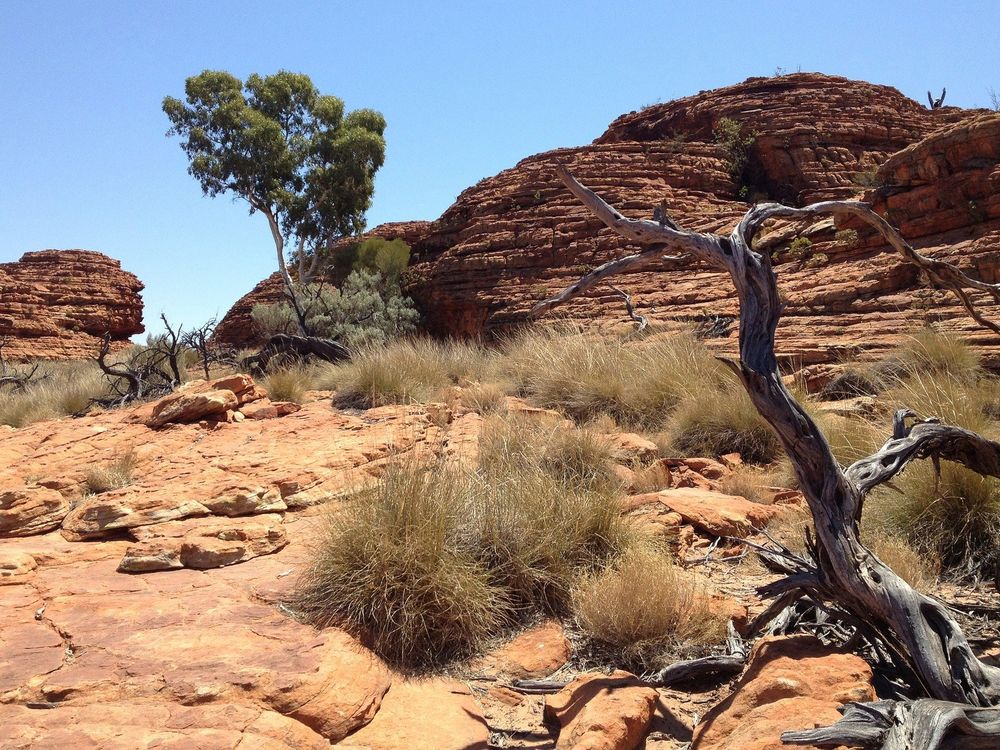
(711, 512)
(790, 683)
(264, 409)
(183, 406)
(537, 652)
(432, 714)
(202, 543)
(31, 510)
(602, 712)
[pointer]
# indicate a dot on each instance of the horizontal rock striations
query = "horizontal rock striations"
(519, 236)
(57, 304)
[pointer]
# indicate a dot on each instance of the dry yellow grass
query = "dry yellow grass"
(646, 611)
(111, 475)
(59, 389)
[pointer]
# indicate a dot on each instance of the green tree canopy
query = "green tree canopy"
(288, 151)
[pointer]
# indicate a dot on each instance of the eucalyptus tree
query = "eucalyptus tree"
(290, 153)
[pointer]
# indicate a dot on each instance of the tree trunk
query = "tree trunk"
(846, 573)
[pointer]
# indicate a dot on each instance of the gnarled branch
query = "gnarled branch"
(915, 627)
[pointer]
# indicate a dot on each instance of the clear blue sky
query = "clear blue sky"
(467, 88)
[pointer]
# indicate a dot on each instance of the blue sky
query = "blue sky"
(467, 89)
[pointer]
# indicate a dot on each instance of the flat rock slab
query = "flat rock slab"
(188, 470)
(84, 634)
(431, 714)
(126, 726)
(203, 543)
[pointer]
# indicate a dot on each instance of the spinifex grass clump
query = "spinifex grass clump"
(405, 371)
(58, 389)
(426, 565)
(113, 474)
(289, 383)
(584, 375)
(646, 611)
(395, 566)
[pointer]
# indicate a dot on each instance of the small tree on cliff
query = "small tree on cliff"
(290, 153)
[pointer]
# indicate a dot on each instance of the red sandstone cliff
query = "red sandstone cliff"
(519, 236)
(57, 304)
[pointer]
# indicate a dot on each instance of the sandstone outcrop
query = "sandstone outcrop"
(57, 304)
(519, 236)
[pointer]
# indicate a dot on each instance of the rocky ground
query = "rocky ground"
(152, 615)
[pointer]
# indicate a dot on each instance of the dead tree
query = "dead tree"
(149, 372)
(936, 103)
(961, 691)
(17, 379)
(199, 339)
(283, 348)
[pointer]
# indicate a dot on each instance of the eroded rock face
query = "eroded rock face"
(57, 304)
(519, 236)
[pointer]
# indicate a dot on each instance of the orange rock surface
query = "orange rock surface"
(790, 683)
(602, 712)
(57, 304)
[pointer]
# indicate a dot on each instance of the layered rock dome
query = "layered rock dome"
(520, 236)
(58, 304)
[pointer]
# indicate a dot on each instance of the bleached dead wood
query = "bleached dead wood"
(915, 628)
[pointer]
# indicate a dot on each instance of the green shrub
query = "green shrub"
(817, 260)
(735, 144)
(365, 311)
(799, 247)
(868, 178)
(848, 237)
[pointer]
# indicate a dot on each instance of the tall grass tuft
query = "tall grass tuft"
(112, 475)
(58, 389)
(405, 371)
(426, 565)
(724, 421)
(394, 565)
(289, 383)
(585, 376)
(646, 610)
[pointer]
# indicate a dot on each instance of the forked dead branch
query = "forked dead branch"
(961, 692)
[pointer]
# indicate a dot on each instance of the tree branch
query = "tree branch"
(848, 575)
(926, 439)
